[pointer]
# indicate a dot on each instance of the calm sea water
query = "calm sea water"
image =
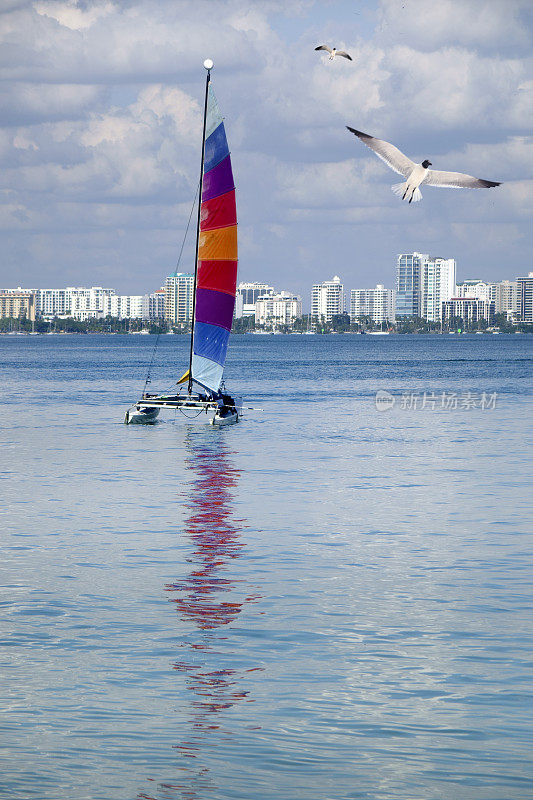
(321, 603)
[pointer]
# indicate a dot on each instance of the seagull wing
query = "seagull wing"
(457, 180)
(344, 53)
(388, 153)
(324, 47)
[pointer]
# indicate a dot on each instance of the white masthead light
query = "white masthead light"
(208, 64)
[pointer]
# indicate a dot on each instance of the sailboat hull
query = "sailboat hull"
(218, 421)
(141, 416)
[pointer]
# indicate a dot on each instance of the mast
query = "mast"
(208, 64)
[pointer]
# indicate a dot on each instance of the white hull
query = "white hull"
(141, 416)
(229, 419)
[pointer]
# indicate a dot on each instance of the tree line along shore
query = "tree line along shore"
(339, 324)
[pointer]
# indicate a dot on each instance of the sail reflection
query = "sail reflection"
(215, 535)
(206, 598)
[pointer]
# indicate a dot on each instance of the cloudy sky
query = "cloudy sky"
(101, 127)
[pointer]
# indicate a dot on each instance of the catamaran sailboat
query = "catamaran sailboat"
(215, 278)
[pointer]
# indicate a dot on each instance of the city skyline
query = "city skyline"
(99, 143)
(426, 287)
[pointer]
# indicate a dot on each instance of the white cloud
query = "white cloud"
(25, 102)
(71, 15)
(478, 23)
(455, 87)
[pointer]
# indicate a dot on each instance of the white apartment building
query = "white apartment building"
(153, 305)
(52, 302)
(278, 309)
(327, 299)
(179, 297)
(474, 288)
(247, 294)
(378, 304)
(124, 306)
(86, 303)
(72, 299)
(438, 285)
(469, 309)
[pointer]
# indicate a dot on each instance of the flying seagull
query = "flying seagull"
(417, 174)
(334, 52)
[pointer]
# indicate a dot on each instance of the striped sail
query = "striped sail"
(217, 255)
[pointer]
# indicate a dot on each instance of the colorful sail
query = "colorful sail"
(216, 279)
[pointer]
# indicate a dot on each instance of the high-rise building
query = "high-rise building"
(504, 295)
(278, 309)
(247, 294)
(409, 284)
(423, 283)
(378, 304)
(327, 299)
(438, 285)
(153, 305)
(525, 298)
(17, 303)
(179, 297)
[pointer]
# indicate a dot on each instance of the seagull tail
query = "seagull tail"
(401, 190)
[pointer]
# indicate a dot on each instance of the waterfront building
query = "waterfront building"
(238, 309)
(123, 306)
(153, 305)
(423, 283)
(525, 298)
(474, 288)
(179, 297)
(378, 304)
(469, 309)
(85, 303)
(71, 301)
(504, 295)
(247, 295)
(409, 284)
(278, 309)
(17, 303)
(327, 299)
(438, 285)
(52, 302)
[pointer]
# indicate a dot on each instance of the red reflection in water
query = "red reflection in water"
(215, 535)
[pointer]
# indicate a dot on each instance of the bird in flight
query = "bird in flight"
(417, 174)
(334, 52)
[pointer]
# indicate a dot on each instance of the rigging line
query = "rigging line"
(148, 378)
(188, 224)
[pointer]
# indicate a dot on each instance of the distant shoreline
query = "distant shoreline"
(373, 334)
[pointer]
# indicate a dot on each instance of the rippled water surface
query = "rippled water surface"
(321, 603)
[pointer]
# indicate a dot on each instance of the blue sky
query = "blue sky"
(101, 123)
